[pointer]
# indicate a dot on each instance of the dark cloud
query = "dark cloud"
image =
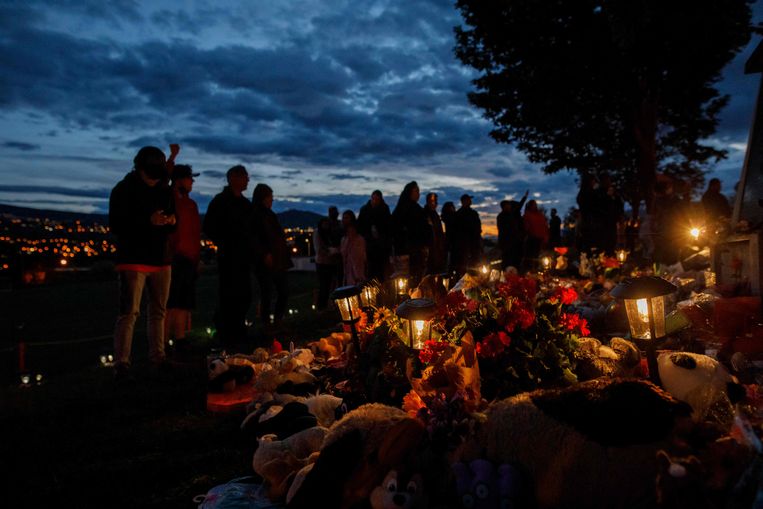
(20, 145)
(346, 176)
(215, 174)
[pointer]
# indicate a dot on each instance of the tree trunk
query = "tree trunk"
(645, 132)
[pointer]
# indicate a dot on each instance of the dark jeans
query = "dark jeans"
(326, 273)
(267, 280)
(235, 299)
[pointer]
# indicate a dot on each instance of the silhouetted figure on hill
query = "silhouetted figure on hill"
(610, 210)
(438, 255)
(536, 229)
(411, 232)
(335, 240)
(324, 264)
(141, 216)
(353, 251)
(448, 216)
(468, 247)
(271, 256)
(375, 225)
(225, 223)
(715, 205)
(185, 245)
(511, 232)
(554, 229)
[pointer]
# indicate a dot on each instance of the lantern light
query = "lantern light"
(347, 299)
(694, 232)
(416, 316)
(546, 262)
(621, 255)
(25, 379)
(645, 305)
(401, 285)
(368, 294)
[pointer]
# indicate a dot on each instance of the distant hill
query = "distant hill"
(55, 215)
(289, 218)
(298, 218)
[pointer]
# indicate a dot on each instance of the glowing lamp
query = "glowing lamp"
(368, 294)
(694, 232)
(545, 262)
(645, 305)
(347, 299)
(621, 255)
(401, 284)
(416, 316)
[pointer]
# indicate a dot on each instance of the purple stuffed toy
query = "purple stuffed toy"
(479, 486)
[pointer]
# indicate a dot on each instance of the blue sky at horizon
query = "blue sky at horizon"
(323, 100)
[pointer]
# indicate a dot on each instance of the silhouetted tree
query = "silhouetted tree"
(605, 86)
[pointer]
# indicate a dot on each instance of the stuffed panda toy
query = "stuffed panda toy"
(224, 377)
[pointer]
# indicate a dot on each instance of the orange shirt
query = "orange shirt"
(186, 239)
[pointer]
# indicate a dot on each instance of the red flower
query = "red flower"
(493, 344)
(276, 347)
(571, 322)
(432, 350)
(561, 250)
(519, 287)
(566, 295)
(609, 263)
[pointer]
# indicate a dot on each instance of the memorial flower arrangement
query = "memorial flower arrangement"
(524, 338)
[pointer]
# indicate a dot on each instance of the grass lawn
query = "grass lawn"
(81, 440)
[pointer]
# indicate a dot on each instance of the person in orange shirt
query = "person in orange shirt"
(536, 229)
(185, 245)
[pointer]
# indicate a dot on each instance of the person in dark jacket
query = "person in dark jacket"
(271, 255)
(448, 216)
(511, 232)
(590, 216)
(375, 224)
(469, 227)
(715, 205)
(438, 254)
(225, 224)
(141, 217)
(411, 232)
(555, 229)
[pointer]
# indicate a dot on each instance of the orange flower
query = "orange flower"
(412, 403)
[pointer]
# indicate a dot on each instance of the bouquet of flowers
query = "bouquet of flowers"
(524, 339)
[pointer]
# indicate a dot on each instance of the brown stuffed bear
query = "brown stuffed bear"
(358, 452)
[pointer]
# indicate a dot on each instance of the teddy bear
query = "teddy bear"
(358, 452)
(402, 488)
(592, 445)
(278, 461)
(619, 358)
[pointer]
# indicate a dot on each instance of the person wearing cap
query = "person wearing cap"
(225, 223)
(468, 252)
(141, 216)
(185, 245)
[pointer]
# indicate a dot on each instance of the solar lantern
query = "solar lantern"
(645, 301)
(621, 255)
(416, 316)
(401, 285)
(347, 299)
(369, 292)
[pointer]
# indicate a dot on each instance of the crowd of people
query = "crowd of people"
(158, 238)
(158, 231)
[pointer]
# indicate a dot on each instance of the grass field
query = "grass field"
(81, 440)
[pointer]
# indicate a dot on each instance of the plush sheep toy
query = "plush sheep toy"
(592, 445)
